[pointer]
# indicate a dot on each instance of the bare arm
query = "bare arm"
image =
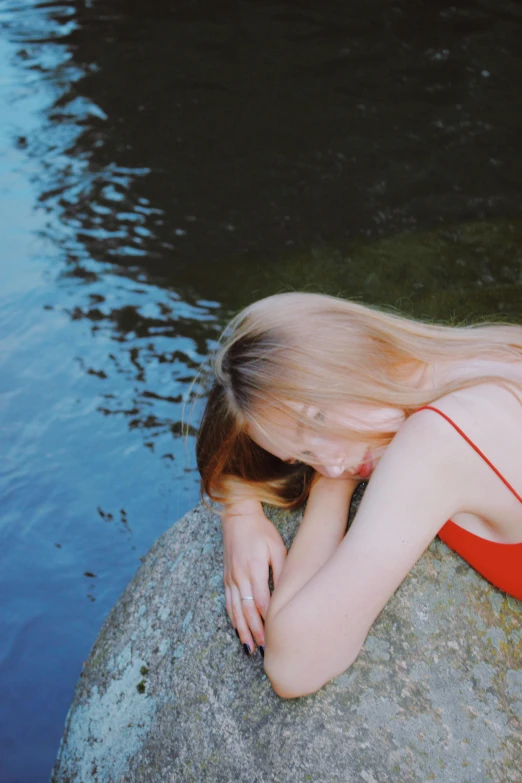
(317, 633)
(321, 531)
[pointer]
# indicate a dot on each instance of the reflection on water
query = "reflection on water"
(162, 165)
(180, 138)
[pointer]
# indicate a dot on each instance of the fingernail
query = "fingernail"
(246, 648)
(262, 651)
(235, 629)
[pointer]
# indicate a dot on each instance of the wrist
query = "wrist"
(241, 508)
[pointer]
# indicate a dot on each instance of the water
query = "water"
(160, 167)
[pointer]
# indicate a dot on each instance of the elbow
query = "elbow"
(285, 663)
(291, 681)
(299, 663)
(286, 684)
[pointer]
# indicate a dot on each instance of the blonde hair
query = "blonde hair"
(320, 351)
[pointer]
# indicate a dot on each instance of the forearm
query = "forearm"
(320, 533)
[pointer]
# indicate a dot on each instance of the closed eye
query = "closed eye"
(305, 456)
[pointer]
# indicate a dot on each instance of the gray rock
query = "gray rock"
(168, 696)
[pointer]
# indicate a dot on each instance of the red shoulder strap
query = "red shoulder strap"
(473, 446)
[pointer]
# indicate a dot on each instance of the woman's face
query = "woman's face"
(320, 446)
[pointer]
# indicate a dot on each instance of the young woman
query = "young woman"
(313, 394)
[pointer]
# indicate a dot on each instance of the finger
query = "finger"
(228, 604)
(277, 560)
(240, 621)
(252, 615)
(261, 592)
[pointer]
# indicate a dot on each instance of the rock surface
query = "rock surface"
(168, 696)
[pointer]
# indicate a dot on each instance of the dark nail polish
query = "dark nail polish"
(235, 629)
(246, 648)
(262, 651)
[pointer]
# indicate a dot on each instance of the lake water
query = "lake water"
(163, 164)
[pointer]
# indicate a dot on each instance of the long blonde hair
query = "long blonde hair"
(320, 351)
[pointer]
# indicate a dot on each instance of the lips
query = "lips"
(366, 466)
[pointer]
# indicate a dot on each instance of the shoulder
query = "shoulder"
(488, 413)
(470, 411)
(480, 402)
(445, 445)
(425, 438)
(421, 471)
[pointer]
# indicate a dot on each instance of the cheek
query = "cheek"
(317, 444)
(326, 450)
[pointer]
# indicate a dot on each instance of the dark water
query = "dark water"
(163, 164)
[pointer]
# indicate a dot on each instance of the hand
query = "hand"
(251, 544)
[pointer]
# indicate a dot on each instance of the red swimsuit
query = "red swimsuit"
(500, 564)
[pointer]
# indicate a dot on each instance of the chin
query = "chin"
(347, 474)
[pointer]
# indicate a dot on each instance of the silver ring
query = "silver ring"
(248, 598)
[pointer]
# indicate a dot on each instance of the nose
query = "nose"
(328, 457)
